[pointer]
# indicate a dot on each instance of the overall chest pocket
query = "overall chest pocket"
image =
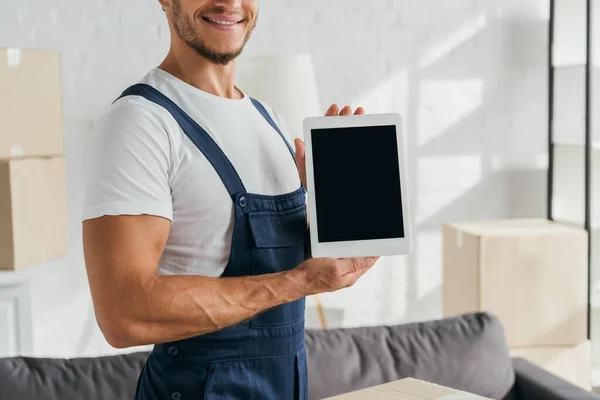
(278, 245)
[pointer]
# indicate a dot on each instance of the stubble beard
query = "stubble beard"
(184, 29)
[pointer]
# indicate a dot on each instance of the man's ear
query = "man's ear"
(162, 4)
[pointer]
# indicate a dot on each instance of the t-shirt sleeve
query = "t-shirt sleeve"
(126, 164)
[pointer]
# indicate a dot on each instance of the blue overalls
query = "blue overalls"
(263, 358)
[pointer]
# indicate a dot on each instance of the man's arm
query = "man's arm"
(136, 306)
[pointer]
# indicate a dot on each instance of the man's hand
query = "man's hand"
(134, 305)
(319, 275)
(299, 144)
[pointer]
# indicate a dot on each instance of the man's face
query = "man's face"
(216, 29)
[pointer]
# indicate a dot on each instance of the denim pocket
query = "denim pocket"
(278, 245)
(278, 229)
(230, 381)
(268, 378)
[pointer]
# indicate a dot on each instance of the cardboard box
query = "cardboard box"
(30, 103)
(408, 389)
(572, 363)
(33, 211)
(531, 274)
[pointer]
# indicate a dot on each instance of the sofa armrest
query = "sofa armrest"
(535, 383)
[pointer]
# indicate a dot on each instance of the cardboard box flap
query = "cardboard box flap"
(515, 228)
(408, 389)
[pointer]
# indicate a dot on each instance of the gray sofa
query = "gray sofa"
(467, 353)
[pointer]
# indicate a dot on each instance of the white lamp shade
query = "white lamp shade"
(286, 83)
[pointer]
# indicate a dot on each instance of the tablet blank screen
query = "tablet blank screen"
(357, 183)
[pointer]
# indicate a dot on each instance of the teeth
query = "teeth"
(216, 21)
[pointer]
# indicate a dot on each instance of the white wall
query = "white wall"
(468, 75)
(570, 32)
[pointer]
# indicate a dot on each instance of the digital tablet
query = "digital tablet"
(357, 190)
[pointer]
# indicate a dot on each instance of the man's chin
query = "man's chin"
(215, 56)
(224, 59)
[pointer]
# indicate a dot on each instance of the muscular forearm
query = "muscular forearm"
(168, 308)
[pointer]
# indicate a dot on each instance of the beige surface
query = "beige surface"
(461, 267)
(514, 228)
(531, 274)
(30, 103)
(408, 389)
(34, 217)
(572, 363)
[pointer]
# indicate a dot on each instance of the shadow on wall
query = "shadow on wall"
(471, 86)
(467, 75)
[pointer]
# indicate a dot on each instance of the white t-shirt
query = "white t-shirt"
(137, 160)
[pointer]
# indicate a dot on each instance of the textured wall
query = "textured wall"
(468, 76)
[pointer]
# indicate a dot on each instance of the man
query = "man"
(195, 222)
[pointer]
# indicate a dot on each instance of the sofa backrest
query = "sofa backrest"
(466, 353)
(101, 378)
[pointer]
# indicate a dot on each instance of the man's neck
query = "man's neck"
(197, 71)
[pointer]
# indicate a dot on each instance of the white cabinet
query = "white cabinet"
(16, 336)
(570, 42)
(568, 200)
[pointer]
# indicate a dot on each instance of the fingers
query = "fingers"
(300, 157)
(355, 276)
(352, 265)
(299, 145)
(347, 110)
(360, 266)
(334, 110)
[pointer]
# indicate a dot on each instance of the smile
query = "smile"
(220, 22)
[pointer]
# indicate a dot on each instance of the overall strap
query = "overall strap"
(266, 115)
(196, 133)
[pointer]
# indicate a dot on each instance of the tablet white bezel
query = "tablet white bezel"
(359, 248)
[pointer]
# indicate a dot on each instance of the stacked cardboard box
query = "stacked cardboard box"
(532, 275)
(33, 211)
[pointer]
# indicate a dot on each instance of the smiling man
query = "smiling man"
(194, 222)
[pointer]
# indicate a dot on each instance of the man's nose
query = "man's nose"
(230, 5)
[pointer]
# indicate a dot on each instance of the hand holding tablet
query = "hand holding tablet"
(357, 189)
(300, 155)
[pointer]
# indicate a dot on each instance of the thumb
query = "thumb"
(352, 265)
(299, 145)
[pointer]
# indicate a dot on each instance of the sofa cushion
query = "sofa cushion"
(102, 378)
(465, 353)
